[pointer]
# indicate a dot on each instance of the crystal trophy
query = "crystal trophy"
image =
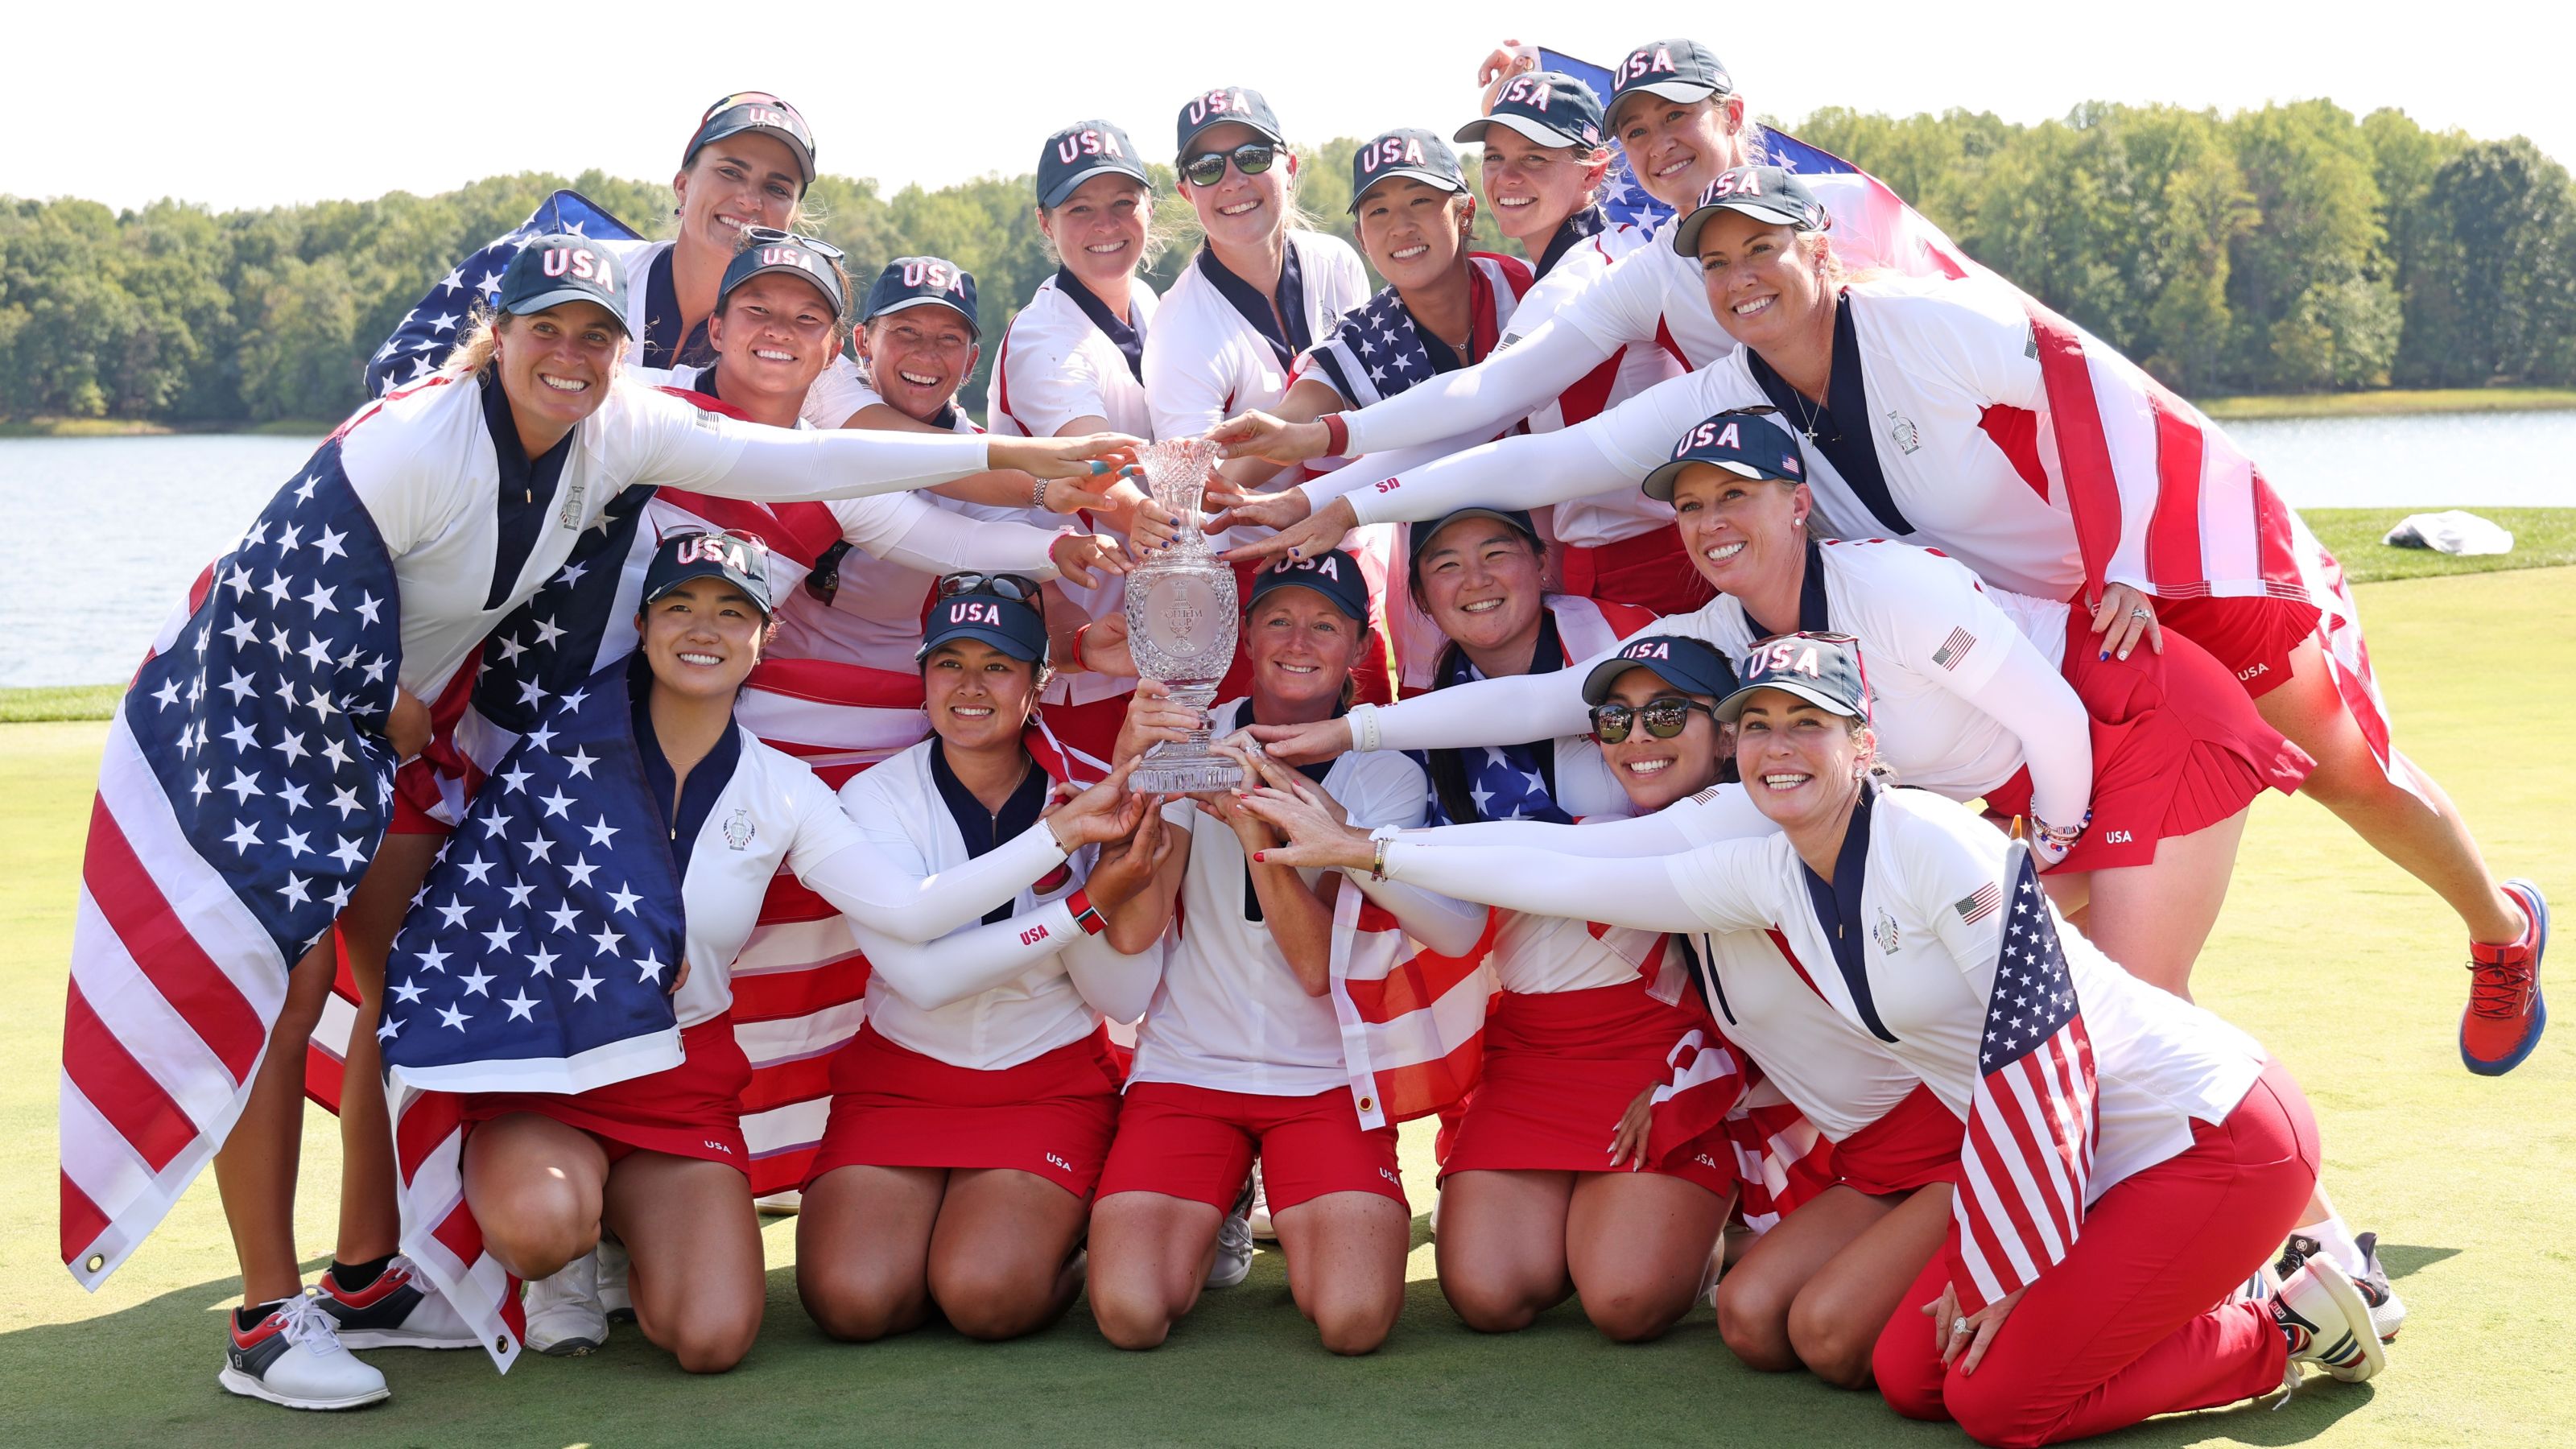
(1181, 622)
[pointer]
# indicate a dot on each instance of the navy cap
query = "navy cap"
(551, 270)
(1081, 151)
(1239, 104)
(1692, 666)
(1548, 106)
(1822, 669)
(1010, 625)
(1748, 445)
(739, 559)
(1406, 151)
(755, 111)
(1766, 193)
(913, 281)
(785, 252)
(1677, 70)
(1334, 574)
(1517, 518)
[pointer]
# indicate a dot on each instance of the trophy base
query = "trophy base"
(1184, 776)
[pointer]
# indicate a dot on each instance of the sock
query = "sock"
(2338, 1243)
(247, 1316)
(357, 1277)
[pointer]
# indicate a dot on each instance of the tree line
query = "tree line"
(2289, 249)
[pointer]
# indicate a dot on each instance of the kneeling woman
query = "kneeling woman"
(971, 1115)
(659, 1160)
(1241, 1051)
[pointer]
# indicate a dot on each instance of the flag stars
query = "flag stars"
(521, 1006)
(601, 833)
(541, 962)
(477, 982)
(407, 992)
(244, 785)
(580, 761)
(297, 844)
(556, 804)
(585, 987)
(434, 959)
(624, 898)
(454, 914)
(649, 969)
(607, 940)
(244, 836)
(453, 1016)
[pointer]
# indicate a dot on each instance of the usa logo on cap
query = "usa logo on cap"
(1648, 60)
(579, 263)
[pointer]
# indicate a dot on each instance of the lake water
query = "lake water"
(130, 521)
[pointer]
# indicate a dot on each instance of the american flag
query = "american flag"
(2031, 1125)
(429, 329)
(1376, 351)
(245, 787)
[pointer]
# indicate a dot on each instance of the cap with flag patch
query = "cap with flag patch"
(755, 111)
(1548, 106)
(915, 281)
(740, 559)
(1766, 193)
(1409, 151)
(1746, 444)
(1007, 624)
(552, 270)
(1081, 151)
(1822, 669)
(1677, 70)
(1692, 666)
(1238, 104)
(778, 251)
(1334, 574)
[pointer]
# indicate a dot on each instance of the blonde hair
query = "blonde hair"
(476, 343)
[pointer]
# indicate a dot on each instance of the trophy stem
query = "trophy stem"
(1186, 766)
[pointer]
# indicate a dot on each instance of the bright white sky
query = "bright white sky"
(258, 104)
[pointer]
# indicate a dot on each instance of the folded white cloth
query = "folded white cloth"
(2452, 532)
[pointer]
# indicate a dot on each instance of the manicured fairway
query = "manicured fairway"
(2347, 969)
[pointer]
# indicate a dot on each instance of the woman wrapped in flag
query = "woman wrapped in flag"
(2129, 1157)
(576, 1118)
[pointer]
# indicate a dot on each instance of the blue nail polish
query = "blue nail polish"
(2105, 654)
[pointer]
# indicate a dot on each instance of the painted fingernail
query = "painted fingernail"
(1261, 857)
(2105, 654)
(1098, 467)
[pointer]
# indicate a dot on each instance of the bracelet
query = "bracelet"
(1379, 839)
(1075, 665)
(1337, 435)
(2061, 836)
(1037, 494)
(1363, 719)
(1085, 914)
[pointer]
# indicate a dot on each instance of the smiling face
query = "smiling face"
(1678, 147)
(1480, 583)
(1740, 532)
(1413, 232)
(919, 357)
(1761, 280)
(702, 638)
(1100, 229)
(1801, 763)
(774, 335)
(1301, 648)
(978, 697)
(1534, 188)
(556, 365)
(1239, 212)
(1654, 772)
(743, 180)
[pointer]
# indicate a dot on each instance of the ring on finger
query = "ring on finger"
(2139, 612)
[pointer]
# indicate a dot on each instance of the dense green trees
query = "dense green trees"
(2291, 248)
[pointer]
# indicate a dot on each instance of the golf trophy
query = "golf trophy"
(1181, 622)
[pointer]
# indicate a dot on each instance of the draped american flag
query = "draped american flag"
(429, 329)
(2028, 1156)
(244, 789)
(1376, 349)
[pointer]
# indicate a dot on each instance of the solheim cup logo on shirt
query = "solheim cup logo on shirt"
(738, 829)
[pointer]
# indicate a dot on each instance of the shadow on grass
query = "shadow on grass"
(2401, 1259)
(1243, 1369)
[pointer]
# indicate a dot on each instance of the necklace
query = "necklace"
(1811, 410)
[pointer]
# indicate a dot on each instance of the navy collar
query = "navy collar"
(1122, 332)
(1841, 428)
(1254, 306)
(1570, 233)
(983, 829)
(527, 489)
(663, 344)
(1838, 911)
(1812, 615)
(683, 808)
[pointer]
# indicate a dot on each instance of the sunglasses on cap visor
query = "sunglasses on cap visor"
(1207, 168)
(770, 236)
(1665, 717)
(1016, 587)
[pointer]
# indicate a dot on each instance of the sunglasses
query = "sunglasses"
(770, 236)
(1016, 587)
(1665, 717)
(1207, 168)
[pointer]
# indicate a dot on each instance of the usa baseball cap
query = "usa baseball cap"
(1007, 624)
(755, 111)
(918, 281)
(774, 251)
(1239, 104)
(1748, 445)
(1677, 70)
(1548, 106)
(1081, 151)
(551, 270)
(1822, 669)
(1692, 666)
(1517, 518)
(739, 559)
(1766, 193)
(1335, 574)
(1406, 151)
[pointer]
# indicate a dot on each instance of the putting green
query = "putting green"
(2346, 968)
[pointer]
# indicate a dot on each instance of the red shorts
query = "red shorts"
(1916, 1144)
(691, 1110)
(1649, 570)
(429, 791)
(1561, 1068)
(2250, 637)
(1051, 1115)
(1198, 1143)
(2177, 747)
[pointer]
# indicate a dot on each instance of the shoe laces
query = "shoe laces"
(302, 1323)
(2500, 980)
(1234, 1235)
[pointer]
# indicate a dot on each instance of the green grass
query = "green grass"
(2346, 968)
(43, 703)
(135, 428)
(2542, 538)
(2382, 402)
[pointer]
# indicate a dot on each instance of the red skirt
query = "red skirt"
(1916, 1144)
(2177, 747)
(2250, 637)
(1561, 1068)
(429, 790)
(1649, 570)
(691, 1110)
(1052, 1115)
